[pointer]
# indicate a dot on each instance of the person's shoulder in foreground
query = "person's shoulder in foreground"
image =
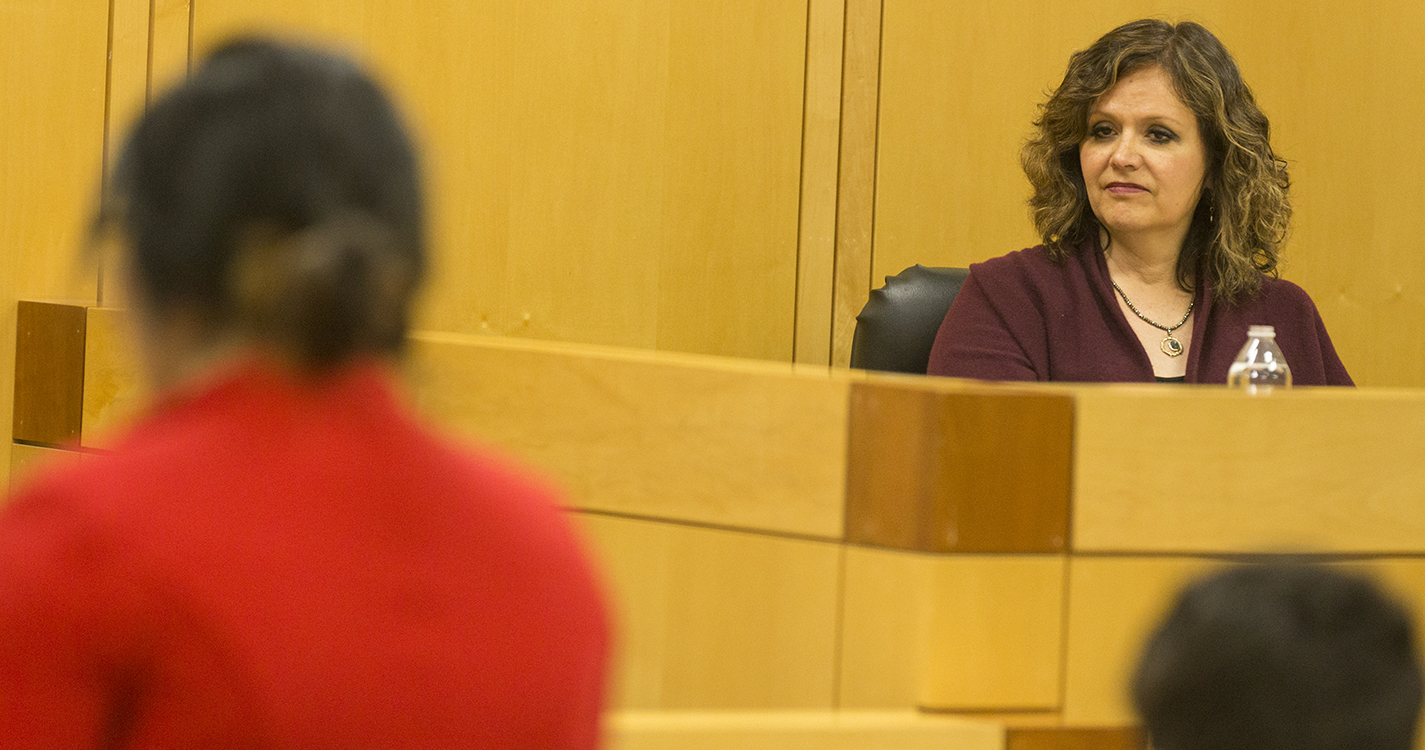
(1281, 656)
(278, 555)
(267, 564)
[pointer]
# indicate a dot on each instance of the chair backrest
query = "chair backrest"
(897, 327)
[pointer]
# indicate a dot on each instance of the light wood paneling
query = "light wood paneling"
(941, 467)
(856, 180)
(114, 391)
(1310, 469)
(718, 619)
(49, 372)
(128, 69)
(952, 632)
(1114, 602)
(52, 70)
(624, 172)
(959, 87)
(821, 141)
(716, 441)
(996, 633)
(1335, 85)
(788, 730)
(711, 440)
(885, 624)
(25, 460)
(1074, 738)
(169, 43)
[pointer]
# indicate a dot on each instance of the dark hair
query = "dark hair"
(1281, 657)
(1241, 219)
(275, 193)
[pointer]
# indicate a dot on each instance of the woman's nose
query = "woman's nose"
(1125, 153)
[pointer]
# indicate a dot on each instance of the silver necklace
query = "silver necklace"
(1170, 346)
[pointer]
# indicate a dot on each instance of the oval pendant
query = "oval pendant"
(1172, 347)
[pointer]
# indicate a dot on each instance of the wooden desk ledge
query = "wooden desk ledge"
(798, 730)
(845, 730)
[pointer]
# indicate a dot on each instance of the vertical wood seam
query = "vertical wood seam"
(797, 317)
(105, 144)
(148, 61)
(820, 169)
(860, 89)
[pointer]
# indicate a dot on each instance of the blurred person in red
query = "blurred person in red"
(278, 555)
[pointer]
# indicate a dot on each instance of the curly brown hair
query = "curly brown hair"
(1240, 221)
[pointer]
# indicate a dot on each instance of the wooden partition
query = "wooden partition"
(781, 538)
(617, 172)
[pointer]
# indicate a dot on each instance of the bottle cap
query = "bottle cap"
(1265, 332)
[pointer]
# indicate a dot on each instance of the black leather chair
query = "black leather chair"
(897, 327)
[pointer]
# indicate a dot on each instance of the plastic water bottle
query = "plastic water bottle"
(1260, 366)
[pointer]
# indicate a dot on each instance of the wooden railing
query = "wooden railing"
(789, 542)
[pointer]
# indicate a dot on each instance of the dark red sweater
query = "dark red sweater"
(267, 564)
(1024, 317)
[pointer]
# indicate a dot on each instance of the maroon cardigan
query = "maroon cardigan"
(1024, 317)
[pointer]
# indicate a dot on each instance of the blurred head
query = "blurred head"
(1240, 218)
(1281, 657)
(273, 197)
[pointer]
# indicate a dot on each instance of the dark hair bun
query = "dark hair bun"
(275, 194)
(323, 292)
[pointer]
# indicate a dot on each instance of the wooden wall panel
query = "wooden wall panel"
(1114, 602)
(25, 460)
(718, 619)
(856, 178)
(52, 70)
(958, 469)
(733, 443)
(996, 635)
(621, 172)
(821, 151)
(114, 388)
(1074, 738)
(49, 373)
(169, 43)
(800, 730)
(886, 612)
(128, 70)
(959, 87)
(1322, 469)
(975, 633)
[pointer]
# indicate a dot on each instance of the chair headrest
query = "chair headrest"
(897, 327)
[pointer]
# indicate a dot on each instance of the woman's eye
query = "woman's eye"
(1162, 135)
(1101, 131)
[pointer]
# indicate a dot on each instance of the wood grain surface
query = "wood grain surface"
(49, 373)
(958, 471)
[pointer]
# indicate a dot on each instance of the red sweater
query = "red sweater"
(1024, 317)
(270, 564)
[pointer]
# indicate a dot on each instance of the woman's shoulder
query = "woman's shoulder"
(1035, 260)
(1036, 267)
(1281, 296)
(1281, 289)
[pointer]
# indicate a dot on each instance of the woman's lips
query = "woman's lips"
(1125, 188)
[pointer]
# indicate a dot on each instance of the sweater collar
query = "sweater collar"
(1096, 266)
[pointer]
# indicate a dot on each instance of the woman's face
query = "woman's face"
(1143, 159)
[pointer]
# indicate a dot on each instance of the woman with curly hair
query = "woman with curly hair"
(1162, 208)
